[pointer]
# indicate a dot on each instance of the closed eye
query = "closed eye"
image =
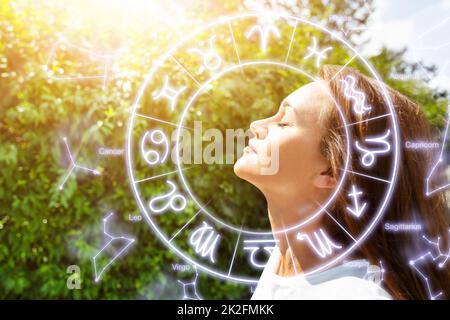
(283, 124)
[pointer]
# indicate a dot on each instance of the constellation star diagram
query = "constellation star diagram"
(440, 257)
(190, 285)
(74, 165)
(111, 241)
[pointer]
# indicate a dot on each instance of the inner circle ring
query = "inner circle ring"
(186, 184)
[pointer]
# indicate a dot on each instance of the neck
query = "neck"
(285, 213)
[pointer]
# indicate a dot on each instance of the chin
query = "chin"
(247, 168)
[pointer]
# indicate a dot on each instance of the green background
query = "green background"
(43, 230)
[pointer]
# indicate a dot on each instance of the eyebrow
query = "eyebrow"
(286, 104)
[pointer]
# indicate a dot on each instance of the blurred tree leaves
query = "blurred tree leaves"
(43, 230)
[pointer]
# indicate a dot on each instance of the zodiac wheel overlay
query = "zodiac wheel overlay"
(176, 197)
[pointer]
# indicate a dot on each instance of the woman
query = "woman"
(311, 148)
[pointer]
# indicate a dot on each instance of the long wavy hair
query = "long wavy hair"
(408, 202)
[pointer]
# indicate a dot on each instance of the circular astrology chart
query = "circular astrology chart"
(175, 187)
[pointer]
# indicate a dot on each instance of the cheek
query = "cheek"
(298, 155)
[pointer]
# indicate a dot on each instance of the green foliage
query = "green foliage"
(44, 230)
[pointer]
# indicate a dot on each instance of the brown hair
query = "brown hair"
(408, 201)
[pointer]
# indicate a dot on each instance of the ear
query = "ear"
(325, 180)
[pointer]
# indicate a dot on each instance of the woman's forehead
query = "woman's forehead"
(310, 98)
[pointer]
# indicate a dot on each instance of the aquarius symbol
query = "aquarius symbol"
(176, 201)
(264, 32)
(357, 96)
(368, 158)
(169, 93)
(211, 59)
(256, 245)
(321, 54)
(204, 240)
(157, 137)
(324, 245)
(357, 211)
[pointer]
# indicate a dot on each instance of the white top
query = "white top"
(354, 280)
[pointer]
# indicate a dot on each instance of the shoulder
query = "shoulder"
(352, 288)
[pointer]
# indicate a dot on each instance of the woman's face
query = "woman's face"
(284, 154)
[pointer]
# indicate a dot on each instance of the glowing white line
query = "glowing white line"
(292, 253)
(73, 166)
(366, 120)
(340, 225)
(234, 253)
(161, 175)
(186, 224)
(111, 240)
(185, 70)
(439, 161)
(290, 43)
(234, 42)
(367, 176)
(431, 29)
(259, 241)
(343, 67)
(61, 186)
(162, 121)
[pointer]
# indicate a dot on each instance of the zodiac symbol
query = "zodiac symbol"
(157, 137)
(357, 96)
(204, 240)
(211, 59)
(169, 93)
(357, 211)
(256, 245)
(264, 32)
(324, 245)
(321, 54)
(368, 158)
(176, 201)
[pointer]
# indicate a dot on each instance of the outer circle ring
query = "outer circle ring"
(129, 164)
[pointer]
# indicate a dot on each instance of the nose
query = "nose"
(259, 129)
